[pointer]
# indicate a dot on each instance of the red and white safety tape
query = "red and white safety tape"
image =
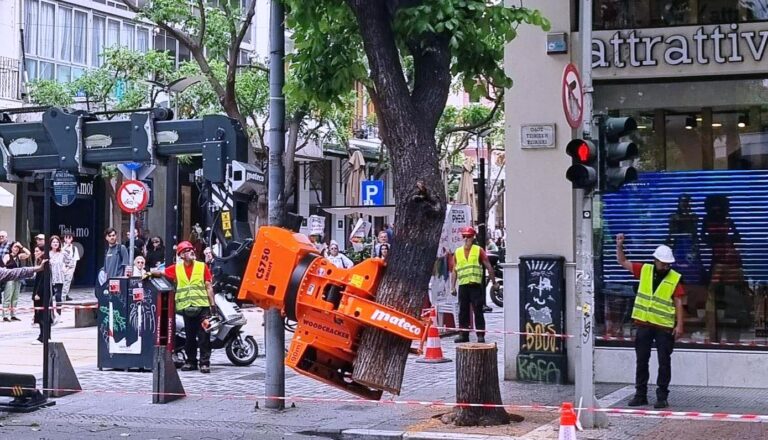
(750, 343)
(694, 415)
(57, 307)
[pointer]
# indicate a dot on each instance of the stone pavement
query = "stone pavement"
(117, 404)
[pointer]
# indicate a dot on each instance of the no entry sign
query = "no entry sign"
(573, 96)
(132, 196)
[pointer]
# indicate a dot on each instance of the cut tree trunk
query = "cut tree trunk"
(477, 381)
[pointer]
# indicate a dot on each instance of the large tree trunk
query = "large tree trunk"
(407, 126)
(419, 217)
(477, 381)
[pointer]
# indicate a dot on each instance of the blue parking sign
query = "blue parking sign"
(372, 192)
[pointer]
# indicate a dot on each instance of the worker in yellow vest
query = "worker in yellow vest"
(468, 264)
(194, 301)
(658, 316)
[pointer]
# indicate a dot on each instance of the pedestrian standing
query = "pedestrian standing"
(139, 267)
(39, 240)
(115, 257)
(60, 262)
(5, 247)
(195, 302)
(138, 242)
(13, 260)
(38, 293)
(155, 252)
(658, 315)
(383, 251)
(382, 238)
(468, 263)
(73, 252)
(336, 258)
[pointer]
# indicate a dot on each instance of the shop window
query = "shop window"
(714, 221)
(632, 14)
(683, 146)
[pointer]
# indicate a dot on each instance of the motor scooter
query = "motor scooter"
(225, 332)
(497, 295)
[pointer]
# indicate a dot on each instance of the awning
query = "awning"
(375, 211)
(6, 198)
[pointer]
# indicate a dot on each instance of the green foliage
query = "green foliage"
(329, 52)
(50, 92)
(330, 55)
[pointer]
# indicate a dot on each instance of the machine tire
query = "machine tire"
(240, 355)
(497, 295)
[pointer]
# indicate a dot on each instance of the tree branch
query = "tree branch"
(497, 105)
(201, 31)
(432, 77)
(390, 88)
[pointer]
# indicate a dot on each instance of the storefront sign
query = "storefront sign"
(694, 50)
(537, 136)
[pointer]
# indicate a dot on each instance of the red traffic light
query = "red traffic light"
(583, 171)
(583, 151)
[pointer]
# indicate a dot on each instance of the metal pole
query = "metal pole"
(482, 230)
(275, 332)
(45, 321)
(171, 208)
(585, 287)
(131, 229)
(585, 30)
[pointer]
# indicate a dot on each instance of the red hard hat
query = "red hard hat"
(469, 230)
(183, 246)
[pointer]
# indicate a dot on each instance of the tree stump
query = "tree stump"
(477, 381)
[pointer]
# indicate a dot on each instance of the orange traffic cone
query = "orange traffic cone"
(567, 422)
(433, 353)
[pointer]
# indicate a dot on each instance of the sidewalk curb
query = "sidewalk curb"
(377, 434)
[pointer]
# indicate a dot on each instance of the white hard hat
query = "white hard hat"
(664, 254)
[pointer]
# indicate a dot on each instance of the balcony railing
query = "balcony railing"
(362, 129)
(9, 78)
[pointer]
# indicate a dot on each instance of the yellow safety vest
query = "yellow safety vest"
(468, 269)
(656, 307)
(191, 292)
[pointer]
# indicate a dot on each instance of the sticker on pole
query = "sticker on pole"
(132, 196)
(573, 96)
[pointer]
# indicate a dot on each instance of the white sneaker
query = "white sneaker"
(36, 342)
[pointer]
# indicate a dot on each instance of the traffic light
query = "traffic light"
(583, 171)
(614, 151)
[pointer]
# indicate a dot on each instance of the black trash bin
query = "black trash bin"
(127, 324)
(542, 358)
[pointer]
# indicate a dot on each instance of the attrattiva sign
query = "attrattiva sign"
(691, 50)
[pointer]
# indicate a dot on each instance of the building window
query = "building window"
(32, 27)
(142, 40)
(633, 14)
(79, 38)
(701, 191)
(46, 70)
(46, 42)
(113, 34)
(97, 40)
(63, 74)
(64, 31)
(128, 36)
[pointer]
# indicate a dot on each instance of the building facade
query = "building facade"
(693, 75)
